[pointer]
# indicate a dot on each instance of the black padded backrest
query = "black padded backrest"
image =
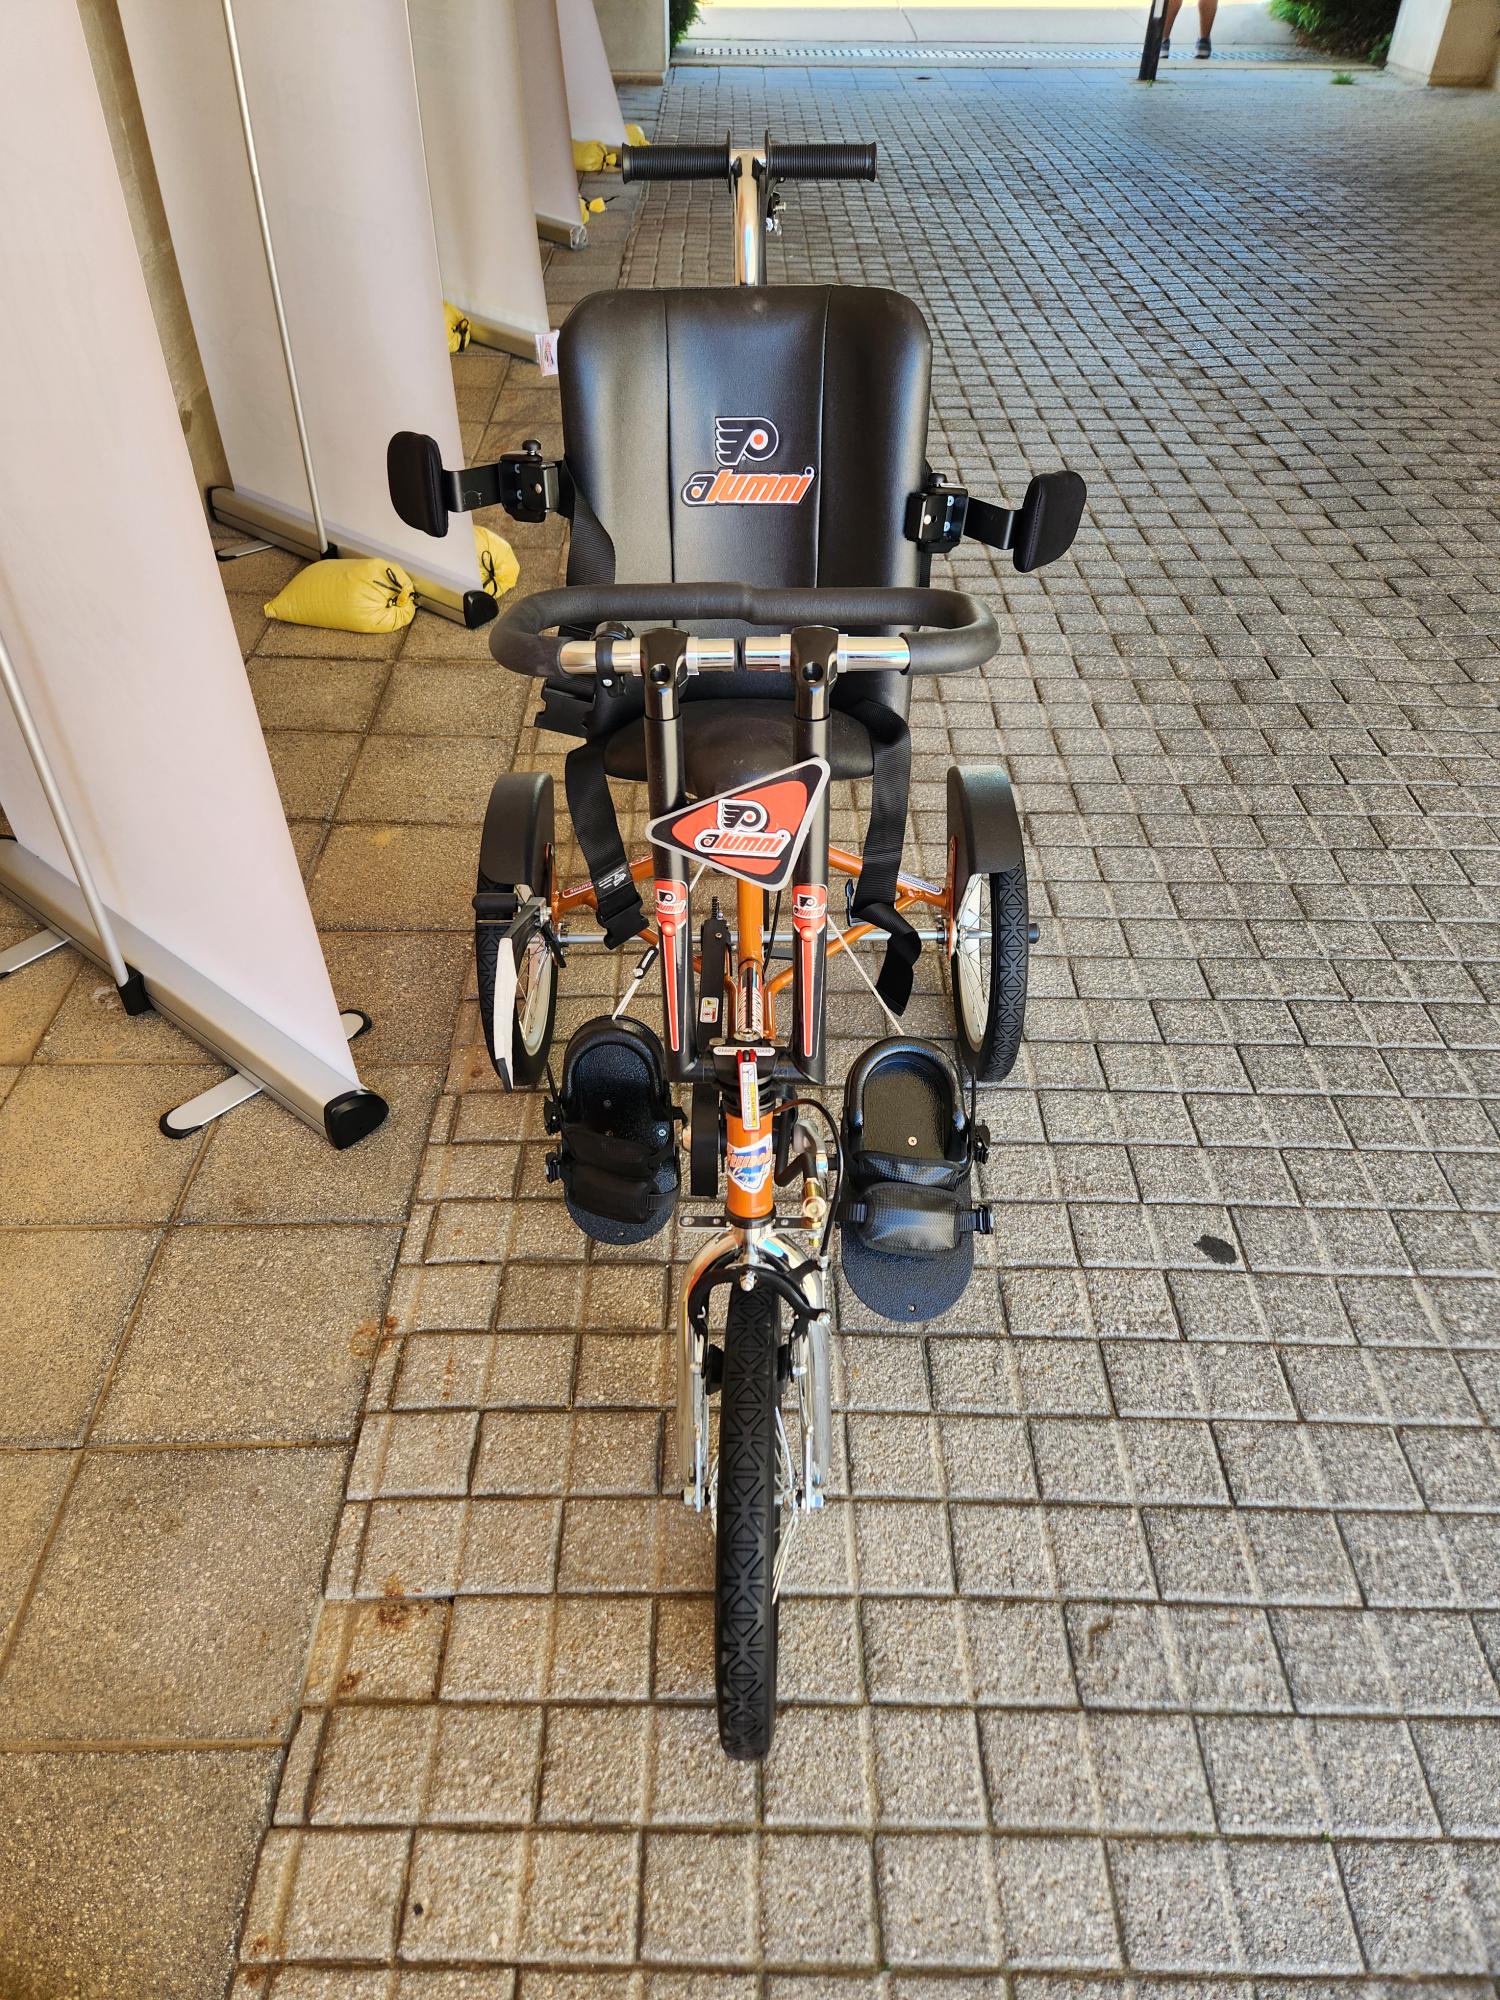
(692, 420)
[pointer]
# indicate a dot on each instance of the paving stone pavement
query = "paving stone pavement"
(1154, 1635)
(1151, 1643)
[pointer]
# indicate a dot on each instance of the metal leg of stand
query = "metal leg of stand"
(234, 1091)
(28, 951)
(242, 549)
(133, 995)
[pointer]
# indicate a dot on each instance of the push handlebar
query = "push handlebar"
(962, 633)
(784, 161)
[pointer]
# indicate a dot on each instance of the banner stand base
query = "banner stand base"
(28, 951)
(286, 531)
(516, 340)
(235, 1090)
(557, 229)
(300, 1082)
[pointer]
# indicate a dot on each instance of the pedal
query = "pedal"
(615, 1124)
(907, 1220)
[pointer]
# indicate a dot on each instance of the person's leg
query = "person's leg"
(1174, 8)
(1206, 12)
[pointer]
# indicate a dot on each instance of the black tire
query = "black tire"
(745, 1552)
(988, 967)
(517, 847)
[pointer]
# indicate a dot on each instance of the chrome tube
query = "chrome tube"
(775, 652)
(692, 1394)
(814, 1383)
(748, 178)
(581, 656)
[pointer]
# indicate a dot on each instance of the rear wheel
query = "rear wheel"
(990, 940)
(988, 969)
(748, 1524)
(516, 851)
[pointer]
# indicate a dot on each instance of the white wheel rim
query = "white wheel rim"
(534, 976)
(972, 931)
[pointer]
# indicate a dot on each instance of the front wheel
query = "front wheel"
(748, 1521)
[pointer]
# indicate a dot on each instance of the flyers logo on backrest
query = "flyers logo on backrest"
(755, 831)
(739, 438)
(746, 441)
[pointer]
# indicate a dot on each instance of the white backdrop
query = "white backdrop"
(478, 170)
(110, 598)
(549, 133)
(333, 105)
(593, 102)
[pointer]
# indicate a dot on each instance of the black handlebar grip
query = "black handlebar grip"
(675, 163)
(819, 161)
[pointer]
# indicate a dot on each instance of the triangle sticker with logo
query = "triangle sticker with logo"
(754, 832)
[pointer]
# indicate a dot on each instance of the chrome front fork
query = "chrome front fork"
(811, 1353)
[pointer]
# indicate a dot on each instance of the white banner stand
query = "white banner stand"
(549, 134)
(478, 172)
(593, 101)
(148, 830)
(288, 145)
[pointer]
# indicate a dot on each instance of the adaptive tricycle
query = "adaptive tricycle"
(776, 437)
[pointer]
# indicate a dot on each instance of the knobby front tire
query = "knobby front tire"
(745, 1552)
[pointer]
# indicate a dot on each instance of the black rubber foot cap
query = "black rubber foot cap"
(353, 1117)
(133, 995)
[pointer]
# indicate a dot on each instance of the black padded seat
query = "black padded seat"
(730, 743)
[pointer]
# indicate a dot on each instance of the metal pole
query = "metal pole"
(1156, 22)
(127, 980)
(748, 179)
(266, 245)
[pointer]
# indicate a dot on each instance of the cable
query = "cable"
(836, 1158)
(853, 957)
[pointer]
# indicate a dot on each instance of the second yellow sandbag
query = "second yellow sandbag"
(498, 568)
(348, 594)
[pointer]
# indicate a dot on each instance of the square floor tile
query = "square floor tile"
(252, 1334)
(177, 1597)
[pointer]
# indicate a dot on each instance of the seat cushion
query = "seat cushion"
(729, 743)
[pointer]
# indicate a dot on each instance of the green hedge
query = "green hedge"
(681, 14)
(1357, 28)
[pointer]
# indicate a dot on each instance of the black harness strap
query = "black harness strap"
(597, 827)
(880, 865)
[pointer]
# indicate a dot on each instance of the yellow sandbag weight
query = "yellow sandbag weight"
(348, 594)
(459, 332)
(498, 568)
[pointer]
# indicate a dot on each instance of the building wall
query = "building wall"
(635, 38)
(1452, 42)
(127, 132)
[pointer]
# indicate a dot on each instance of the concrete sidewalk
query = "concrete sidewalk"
(1242, 26)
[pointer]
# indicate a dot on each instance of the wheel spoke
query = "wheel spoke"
(534, 978)
(971, 957)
